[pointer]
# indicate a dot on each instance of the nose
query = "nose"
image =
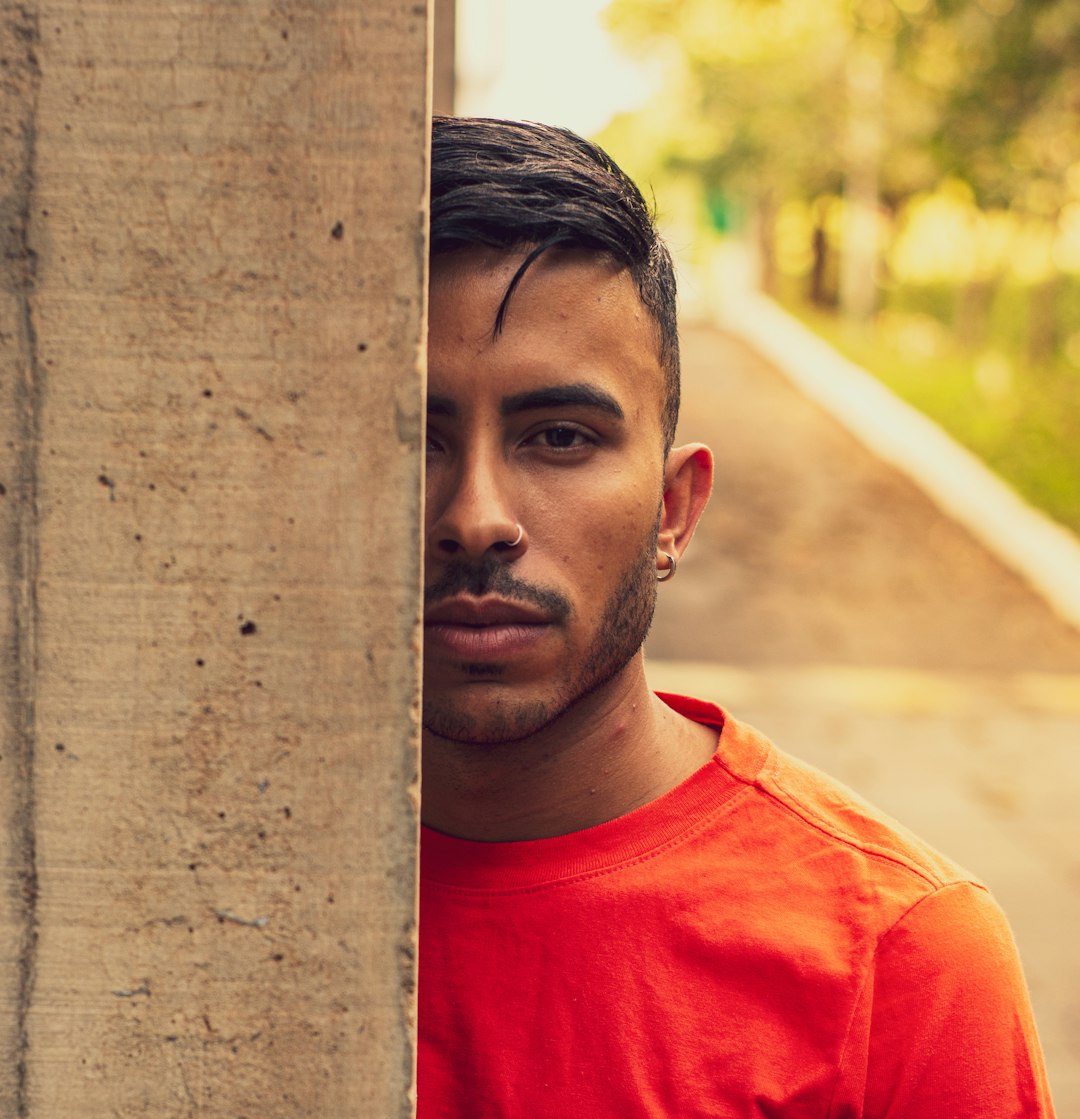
(476, 514)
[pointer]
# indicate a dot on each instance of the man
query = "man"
(633, 905)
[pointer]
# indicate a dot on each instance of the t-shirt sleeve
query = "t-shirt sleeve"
(950, 1028)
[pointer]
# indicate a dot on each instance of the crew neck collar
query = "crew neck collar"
(447, 861)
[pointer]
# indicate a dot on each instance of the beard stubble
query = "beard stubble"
(621, 631)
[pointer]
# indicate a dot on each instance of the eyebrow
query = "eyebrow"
(441, 406)
(561, 396)
(558, 396)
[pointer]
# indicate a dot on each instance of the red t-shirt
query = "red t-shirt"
(757, 942)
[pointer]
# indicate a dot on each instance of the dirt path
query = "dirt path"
(813, 552)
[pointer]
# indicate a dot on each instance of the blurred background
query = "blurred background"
(903, 174)
(875, 210)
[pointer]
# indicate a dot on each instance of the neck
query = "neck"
(610, 753)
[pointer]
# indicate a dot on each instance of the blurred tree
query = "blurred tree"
(755, 97)
(774, 100)
(1006, 74)
(1005, 79)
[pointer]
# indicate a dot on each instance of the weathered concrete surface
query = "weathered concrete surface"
(211, 335)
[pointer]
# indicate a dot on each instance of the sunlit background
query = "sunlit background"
(554, 62)
(904, 174)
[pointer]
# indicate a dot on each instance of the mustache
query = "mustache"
(493, 576)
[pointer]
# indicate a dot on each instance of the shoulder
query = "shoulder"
(817, 803)
(940, 1022)
(813, 835)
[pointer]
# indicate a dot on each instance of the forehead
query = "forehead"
(573, 316)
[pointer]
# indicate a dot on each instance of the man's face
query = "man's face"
(554, 426)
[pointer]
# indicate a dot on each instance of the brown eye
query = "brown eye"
(562, 438)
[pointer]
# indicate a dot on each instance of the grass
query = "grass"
(1021, 418)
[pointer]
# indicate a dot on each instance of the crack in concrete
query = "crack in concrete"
(21, 33)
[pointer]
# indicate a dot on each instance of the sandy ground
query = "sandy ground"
(826, 600)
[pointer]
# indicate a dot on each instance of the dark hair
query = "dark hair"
(508, 184)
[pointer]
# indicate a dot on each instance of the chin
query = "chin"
(469, 726)
(491, 721)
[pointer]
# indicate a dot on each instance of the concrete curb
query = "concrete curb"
(1045, 554)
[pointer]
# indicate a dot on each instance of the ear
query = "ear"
(688, 478)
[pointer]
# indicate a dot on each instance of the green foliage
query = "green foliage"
(987, 91)
(1022, 421)
(1007, 77)
(740, 72)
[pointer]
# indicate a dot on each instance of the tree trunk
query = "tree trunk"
(1043, 322)
(859, 254)
(822, 291)
(973, 302)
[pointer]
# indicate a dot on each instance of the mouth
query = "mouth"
(477, 629)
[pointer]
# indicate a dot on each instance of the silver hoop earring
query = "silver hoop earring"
(517, 540)
(666, 574)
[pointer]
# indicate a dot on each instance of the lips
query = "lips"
(483, 628)
(463, 611)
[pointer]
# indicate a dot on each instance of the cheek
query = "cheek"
(598, 542)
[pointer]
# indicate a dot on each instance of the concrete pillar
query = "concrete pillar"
(211, 297)
(444, 76)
